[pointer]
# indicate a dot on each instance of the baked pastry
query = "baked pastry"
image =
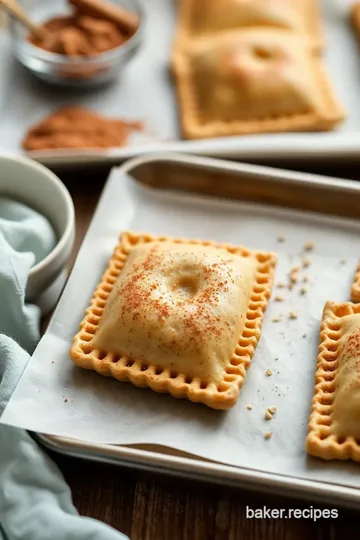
(252, 81)
(355, 289)
(198, 17)
(178, 316)
(355, 18)
(334, 426)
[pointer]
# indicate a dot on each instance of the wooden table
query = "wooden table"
(153, 507)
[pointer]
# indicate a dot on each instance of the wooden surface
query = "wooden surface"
(155, 507)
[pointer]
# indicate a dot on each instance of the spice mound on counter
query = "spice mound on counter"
(91, 29)
(77, 127)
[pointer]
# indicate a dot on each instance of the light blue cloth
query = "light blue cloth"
(35, 502)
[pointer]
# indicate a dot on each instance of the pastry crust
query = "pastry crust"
(252, 81)
(355, 289)
(171, 294)
(334, 425)
(199, 17)
(355, 18)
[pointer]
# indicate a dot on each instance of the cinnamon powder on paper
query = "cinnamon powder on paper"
(77, 127)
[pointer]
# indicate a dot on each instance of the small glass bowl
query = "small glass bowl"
(71, 72)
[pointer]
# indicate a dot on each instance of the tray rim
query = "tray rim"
(196, 467)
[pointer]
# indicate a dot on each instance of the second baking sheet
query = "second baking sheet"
(146, 92)
(55, 397)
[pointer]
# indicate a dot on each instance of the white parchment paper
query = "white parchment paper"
(56, 397)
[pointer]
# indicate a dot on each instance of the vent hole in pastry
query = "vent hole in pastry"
(86, 348)
(186, 285)
(101, 355)
(251, 315)
(188, 380)
(158, 371)
(173, 374)
(341, 440)
(86, 337)
(222, 387)
(203, 385)
(103, 295)
(332, 347)
(144, 367)
(116, 359)
(130, 363)
(323, 435)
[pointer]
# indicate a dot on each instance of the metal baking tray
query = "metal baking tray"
(146, 92)
(320, 197)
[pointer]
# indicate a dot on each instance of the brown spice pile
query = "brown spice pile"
(77, 127)
(92, 28)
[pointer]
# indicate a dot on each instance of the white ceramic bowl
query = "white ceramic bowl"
(36, 186)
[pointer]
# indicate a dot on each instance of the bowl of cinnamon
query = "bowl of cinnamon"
(82, 43)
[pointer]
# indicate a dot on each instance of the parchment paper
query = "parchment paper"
(146, 92)
(55, 397)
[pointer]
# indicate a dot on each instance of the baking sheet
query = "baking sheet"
(145, 91)
(57, 398)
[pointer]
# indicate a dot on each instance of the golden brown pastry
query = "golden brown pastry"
(179, 316)
(252, 81)
(334, 426)
(198, 17)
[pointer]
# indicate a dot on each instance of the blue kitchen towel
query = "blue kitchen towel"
(35, 502)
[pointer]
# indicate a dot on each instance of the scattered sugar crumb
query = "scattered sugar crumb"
(303, 291)
(268, 415)
(268, 372)
(309, 246)
(304, 336)
(66, 400)
(293, 315)
(343, 261)
(280, 285)
(276, 319)
(268, 435)
(272, 410)
(293, 276)
(281, 238)
(279, 299)
(306, 262)
(250, 407)
(305, 279)
(277, 358)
